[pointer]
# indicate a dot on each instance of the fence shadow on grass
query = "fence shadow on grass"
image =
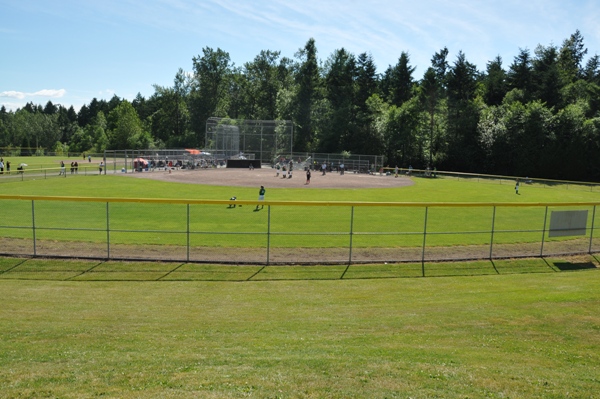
(84, 270)
(570, 266)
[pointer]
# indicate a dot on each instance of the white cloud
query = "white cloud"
(50, 93)
(13, 94)
(106, 93)
(41, 93)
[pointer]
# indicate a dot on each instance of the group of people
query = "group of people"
(285, 167)
(2, 166)
(74, 168)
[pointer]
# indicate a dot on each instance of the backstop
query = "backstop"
(228, 138)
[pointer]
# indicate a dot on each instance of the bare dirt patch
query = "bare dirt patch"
(267, 177)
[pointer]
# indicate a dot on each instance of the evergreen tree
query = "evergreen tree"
(546, 75)
(495, 82)
(397, 82)
(365, 140)
(440, 65)
(520, 73)
(262, 76)
(463, 116)
(429, 94)
(591, 72)
(570, 58)
(208, 97)
(141, 107)
(50, 108)
(340, 87)
(307, 96)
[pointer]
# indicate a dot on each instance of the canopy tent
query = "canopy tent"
(140, 163)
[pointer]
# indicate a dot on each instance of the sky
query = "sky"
(71, 51)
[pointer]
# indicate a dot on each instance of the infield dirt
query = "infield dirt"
(267, 177)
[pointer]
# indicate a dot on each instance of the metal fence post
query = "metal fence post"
(592, 229)
(424, 240)
(107, 233)
(33, 226)
(188, 233)
(268, 232)
(492, 237)
(351, 233)
(544, 232)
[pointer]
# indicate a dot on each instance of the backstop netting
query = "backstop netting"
(248, 139)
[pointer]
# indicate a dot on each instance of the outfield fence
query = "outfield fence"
(495, 179)
(282, 232)
(45, 173)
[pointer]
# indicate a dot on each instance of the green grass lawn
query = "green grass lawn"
(532, 335)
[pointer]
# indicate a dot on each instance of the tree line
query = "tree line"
(537, 117)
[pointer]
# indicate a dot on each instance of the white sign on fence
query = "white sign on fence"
(568, 223)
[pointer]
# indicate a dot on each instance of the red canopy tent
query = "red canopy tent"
(140, 163)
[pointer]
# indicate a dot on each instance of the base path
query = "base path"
(266, 177)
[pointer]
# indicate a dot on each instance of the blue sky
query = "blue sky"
(70, 51)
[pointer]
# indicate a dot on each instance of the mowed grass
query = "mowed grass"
(402, 226)
(502, 329)
(496, 336)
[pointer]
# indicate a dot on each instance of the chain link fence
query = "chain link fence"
(226, 232)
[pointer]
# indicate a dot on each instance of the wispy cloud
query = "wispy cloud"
(41, 93)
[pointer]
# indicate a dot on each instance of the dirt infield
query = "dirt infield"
(267, 177)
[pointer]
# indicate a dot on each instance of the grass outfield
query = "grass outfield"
(515, 335)
(424, 190)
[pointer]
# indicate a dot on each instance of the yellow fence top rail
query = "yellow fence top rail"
(290, 203)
